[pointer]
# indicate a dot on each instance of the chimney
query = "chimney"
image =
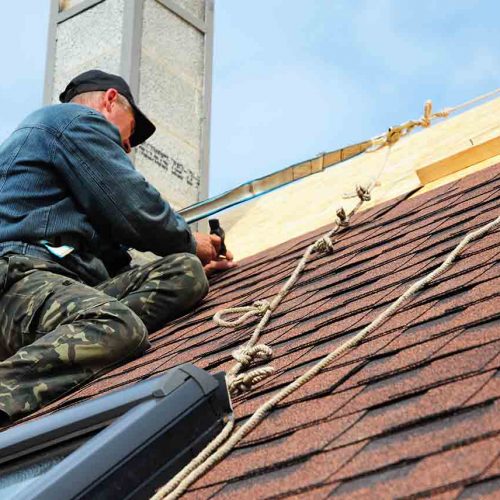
(163, 48)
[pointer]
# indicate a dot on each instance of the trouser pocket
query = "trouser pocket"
(21, 307)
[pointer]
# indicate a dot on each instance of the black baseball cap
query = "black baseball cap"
(96, 79)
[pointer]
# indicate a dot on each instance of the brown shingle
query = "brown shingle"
(413, 409)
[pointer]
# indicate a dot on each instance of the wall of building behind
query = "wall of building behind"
(163, 48)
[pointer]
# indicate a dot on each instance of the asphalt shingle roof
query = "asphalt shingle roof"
(413, 410)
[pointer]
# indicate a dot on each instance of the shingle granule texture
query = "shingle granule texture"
(412, 411)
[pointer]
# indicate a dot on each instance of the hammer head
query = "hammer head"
(215, 228)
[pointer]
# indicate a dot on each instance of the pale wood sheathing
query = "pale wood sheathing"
(455, 144)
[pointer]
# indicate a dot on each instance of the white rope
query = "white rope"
(258, 352)
(244, 382)
(237, 382)
(397, 132)
(178, 480)
(241, 382)
(475, 100)
(191, 474)
(258, 308)
(246, 356)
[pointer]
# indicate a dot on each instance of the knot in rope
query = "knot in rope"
(425, 121)
(363, 193)
(261, 306)
(342, 218)
(258, 308)
(247, 355)
(245, 381)
(323, 245)
(394, 134)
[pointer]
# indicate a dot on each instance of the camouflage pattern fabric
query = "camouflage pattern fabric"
(57, 333)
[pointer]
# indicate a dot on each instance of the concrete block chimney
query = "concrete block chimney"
(163, 48)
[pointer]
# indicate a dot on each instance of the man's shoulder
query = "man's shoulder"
(57, 117)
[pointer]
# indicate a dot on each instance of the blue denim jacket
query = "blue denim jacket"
(65, 179)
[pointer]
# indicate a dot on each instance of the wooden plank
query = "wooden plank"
(459, 174)
(460, 160)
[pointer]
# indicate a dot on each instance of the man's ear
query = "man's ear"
(110, 96)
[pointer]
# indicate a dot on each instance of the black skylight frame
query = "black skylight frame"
(124, 444)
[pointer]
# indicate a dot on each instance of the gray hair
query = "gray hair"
(92, 99)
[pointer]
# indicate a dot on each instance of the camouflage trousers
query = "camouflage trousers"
(57, 333)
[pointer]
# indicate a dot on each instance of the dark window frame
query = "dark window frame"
(124, 444)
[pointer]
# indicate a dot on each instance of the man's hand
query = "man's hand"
(207, 250)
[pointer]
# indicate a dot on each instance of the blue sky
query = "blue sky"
(293, 78)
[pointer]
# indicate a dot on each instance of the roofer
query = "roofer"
(71, 202)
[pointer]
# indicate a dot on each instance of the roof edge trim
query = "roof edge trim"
(263, 185)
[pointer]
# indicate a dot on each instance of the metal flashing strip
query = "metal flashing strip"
(268, 183)
(184, 15)
(77, 9)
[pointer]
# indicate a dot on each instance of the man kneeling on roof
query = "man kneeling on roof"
(71, 203)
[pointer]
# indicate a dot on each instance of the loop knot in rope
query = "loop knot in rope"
(395, 133)
(247, 355)
(342, 218)
(425, 121)
(238, 383)
(323, 245)
(258, 308)
(245, 381)
(363, 193)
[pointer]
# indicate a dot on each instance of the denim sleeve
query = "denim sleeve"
(119, 202)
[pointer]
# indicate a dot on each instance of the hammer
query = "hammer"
(215, 228)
